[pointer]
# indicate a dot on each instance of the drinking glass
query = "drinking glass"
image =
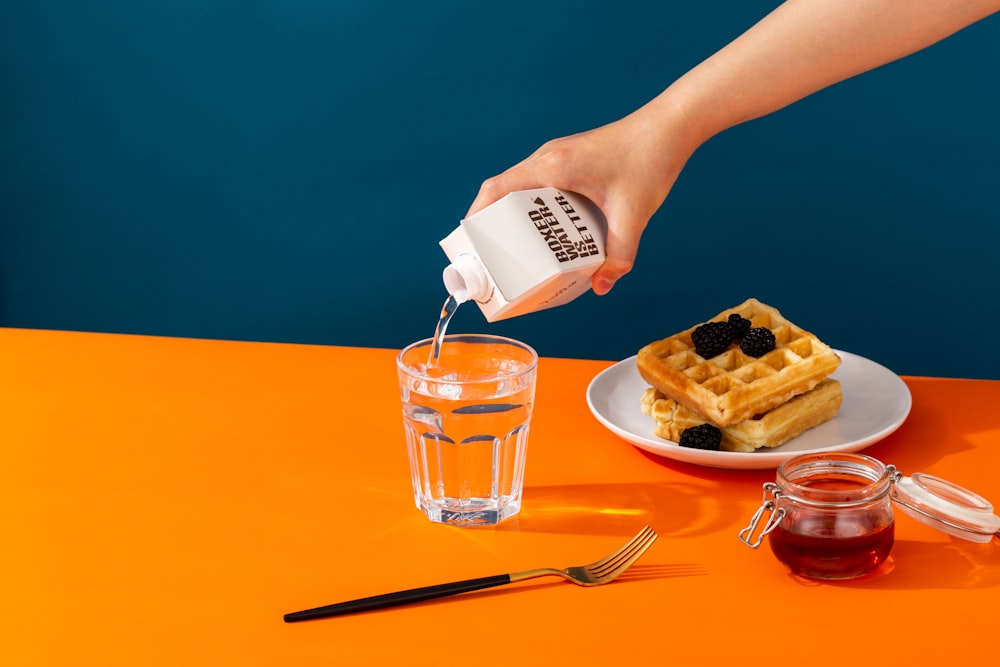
(466, 416)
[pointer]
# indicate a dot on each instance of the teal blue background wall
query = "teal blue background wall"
(283, 170)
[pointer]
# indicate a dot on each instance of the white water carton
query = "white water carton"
(531, 250)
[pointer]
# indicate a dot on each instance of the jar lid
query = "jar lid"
(947, 507)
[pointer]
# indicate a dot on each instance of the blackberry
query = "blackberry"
(739, 325)
(758, 342)
(712, 339)
(703, 436)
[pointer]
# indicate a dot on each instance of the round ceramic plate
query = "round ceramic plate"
(876, 403)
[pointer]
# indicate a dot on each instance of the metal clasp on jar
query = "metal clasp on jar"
(768, 507)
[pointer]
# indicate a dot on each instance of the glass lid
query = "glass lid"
(947, 507)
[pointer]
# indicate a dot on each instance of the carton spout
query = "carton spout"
(466, 278)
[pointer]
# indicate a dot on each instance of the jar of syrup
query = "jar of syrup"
(830, 515)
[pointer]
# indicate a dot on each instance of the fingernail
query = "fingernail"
(602, 286)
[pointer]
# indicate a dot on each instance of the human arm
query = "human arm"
(628, 167)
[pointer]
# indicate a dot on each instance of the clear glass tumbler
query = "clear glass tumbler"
(466, 417)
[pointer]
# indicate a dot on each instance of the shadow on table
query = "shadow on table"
(673, 510)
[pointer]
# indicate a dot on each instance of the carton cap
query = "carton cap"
(466, 278)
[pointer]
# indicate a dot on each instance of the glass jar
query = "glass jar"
(830, 515)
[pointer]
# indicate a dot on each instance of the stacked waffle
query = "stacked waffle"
(755, 401)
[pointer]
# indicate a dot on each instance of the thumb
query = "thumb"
(620, 251)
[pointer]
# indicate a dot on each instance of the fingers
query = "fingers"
(551, 166)
(490, 191)
(518, 177)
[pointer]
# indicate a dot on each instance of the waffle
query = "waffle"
(770, 429)
(733, 387)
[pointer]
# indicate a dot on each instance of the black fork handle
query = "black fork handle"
(398, 598)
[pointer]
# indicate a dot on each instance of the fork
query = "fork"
(601, 572)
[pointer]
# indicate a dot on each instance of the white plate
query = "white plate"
(876, 403)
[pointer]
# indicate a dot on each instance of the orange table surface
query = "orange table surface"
(166, 501)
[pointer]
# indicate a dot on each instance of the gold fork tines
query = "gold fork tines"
(595, 574)
(603, 571)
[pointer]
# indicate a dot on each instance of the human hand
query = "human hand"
(626, 168)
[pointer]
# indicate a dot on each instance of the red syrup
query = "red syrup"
(833, 547)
